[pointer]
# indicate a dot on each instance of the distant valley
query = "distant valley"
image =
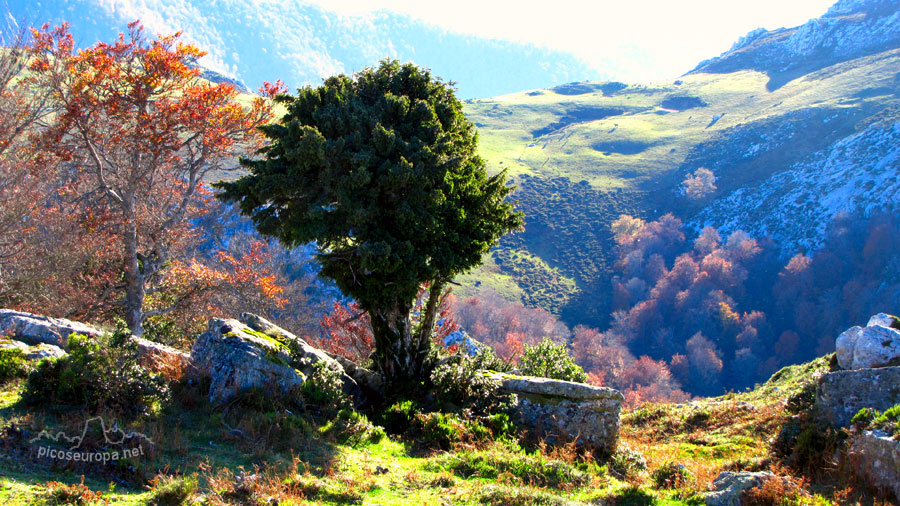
(797, 125)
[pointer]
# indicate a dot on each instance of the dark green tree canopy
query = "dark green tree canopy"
(381, 170)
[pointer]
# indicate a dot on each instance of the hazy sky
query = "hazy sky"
(663, 38)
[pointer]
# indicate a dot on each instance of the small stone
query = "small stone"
(728, 488)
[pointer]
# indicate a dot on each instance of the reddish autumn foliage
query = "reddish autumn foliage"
(347, 330)
(141, 131)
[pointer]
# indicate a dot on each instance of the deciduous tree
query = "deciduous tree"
(143, 131)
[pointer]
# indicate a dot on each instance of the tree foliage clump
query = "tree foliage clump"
(551, 360)
(380, 169)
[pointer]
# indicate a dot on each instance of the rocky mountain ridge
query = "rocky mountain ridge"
(850, 28)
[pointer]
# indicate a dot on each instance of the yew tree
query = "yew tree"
(381, 170)
(142, 131)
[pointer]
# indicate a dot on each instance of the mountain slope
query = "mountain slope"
(301, 43)
(787, 158)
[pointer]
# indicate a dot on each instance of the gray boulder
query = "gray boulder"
(357, 382)
(876, 457)
(841, 394)
(563, 411)
(298, 348)
(729, 487)
(160, 358)
(876, 345)
(845, 344)
(35, 329)
(236, 358)
(884, 320)
(255, 353)
(34, 352)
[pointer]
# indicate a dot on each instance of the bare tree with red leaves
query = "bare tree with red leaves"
(144, 131)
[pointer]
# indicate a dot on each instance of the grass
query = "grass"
(231, 456)
(222, 457)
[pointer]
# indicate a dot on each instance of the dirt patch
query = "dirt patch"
(578, 114)
(575, 88)
(608, 89)
(621, 147)
(682, 103)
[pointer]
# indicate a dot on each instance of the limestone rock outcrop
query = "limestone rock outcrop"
(35, 329)
(876, 457)
(875, 345)
(563, 411)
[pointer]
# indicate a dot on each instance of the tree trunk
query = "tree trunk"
(401, 356)
(134, 279)
(431, 309)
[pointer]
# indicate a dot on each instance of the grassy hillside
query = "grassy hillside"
(583, 153)
(256, 455)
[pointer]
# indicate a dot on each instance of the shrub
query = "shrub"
(804, 400)
(399, 416)
(513, 496)
(12, 365)
(777, 491)
(354, 429)
(550, 360)
(77, 494)
(863, 418)
(670, 475)
(96, 376)
(500, 424)
(868, 418)
(323, 388)
(173, 491)
(462, 384)
(627, 462)
(441, 430)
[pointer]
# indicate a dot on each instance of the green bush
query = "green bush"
(627, 462)
(514, 496)
(441, 430)
(871, 419)
(354, 429)
(174, 491)
(96, 376)
(670, 475)
(462, 385)
(550, 360)
(536, 470)
(399, 416)
(864, 417)
(12, 365)
(500, 424)
(323, 388)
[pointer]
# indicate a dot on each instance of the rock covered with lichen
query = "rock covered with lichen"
(33, 353)
(254, 353)
(564, 411)
(34, 330)
(875, 345)
(237, 359)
